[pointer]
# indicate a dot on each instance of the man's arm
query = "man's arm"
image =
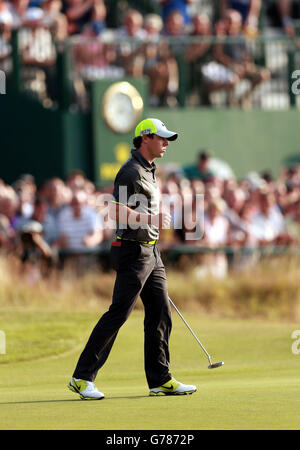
(253, 14)
(285, 11)
(93, 239)
(41, 245)
(77, 11)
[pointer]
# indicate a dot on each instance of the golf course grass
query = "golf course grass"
(257, 388)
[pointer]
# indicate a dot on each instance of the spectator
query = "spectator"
(216, 225)
(80, 227)
(78, 13)
(174, 24)
(97, 25)
(24, 16)
(76, 180)
(206, 76)
(201, 170)
(212, 75)
(281, 15)
(174, 29)
(41, 216)
(249, 10)
(36, 254)
(235, 199)
(247, 238)
(132, 25)
(94, 60)
(54, 18)
(37, 49)
(156, 60)
(268, 223)
(153, 26)
(216, 230)
(169, 6)
(201, 27)
(54, 194)
(18, 11)
(198, 52)
(235, 57)
(131, 53)
(6, 234)
(292, 222)
(25, 187)
(9, 204)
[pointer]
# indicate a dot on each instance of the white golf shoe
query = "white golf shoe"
(86, 389)
(173, 387)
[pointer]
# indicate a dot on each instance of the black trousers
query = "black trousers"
(140, 272)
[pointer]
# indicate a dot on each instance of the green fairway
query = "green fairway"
(257, 388)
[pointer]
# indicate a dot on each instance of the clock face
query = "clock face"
(122, 107)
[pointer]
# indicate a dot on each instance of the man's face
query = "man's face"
(157, 146)
(133, 23)
(234, 23)
(77, 203)
(202, 25)
(40, 211)
(175, 24)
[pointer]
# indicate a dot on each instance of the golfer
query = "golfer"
(139, 268)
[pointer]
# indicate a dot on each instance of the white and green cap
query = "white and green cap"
(155, 126)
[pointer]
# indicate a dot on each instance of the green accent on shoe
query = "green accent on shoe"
(78, 386)
(72, 388)
(158, 394)
(171, 388)
(170, 385)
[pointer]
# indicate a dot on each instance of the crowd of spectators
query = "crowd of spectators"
(64, 221)
(211, 67)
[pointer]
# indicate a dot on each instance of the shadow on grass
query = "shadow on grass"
(73, 400)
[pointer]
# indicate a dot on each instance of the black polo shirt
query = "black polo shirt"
(136, 186)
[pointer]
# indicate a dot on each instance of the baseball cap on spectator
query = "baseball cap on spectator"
(155, 126)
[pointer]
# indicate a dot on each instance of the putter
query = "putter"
(211, 364)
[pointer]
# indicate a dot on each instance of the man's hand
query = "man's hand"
(93, 239)
(161, 220)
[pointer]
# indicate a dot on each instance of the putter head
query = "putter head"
(215, 365)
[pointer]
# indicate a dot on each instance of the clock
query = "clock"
(122, 107)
